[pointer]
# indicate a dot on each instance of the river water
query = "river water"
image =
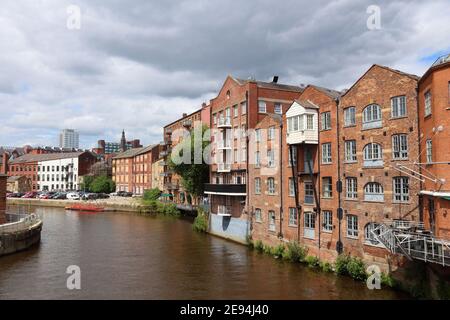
(126, 256)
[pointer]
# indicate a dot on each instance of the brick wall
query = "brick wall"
(2, 198)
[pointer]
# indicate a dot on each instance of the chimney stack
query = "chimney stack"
(275, 79)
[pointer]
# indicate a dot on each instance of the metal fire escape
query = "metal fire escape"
(411, 240)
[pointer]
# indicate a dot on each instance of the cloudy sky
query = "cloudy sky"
(139, 64)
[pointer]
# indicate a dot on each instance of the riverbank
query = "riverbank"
(19, 234)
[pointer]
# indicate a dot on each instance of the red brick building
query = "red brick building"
(132, 169)
(434, 125)
(235, 113)
(174, 133)
(2, 198)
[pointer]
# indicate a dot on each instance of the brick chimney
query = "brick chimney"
(2, 198)
(4, 163)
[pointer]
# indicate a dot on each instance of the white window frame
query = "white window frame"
(325, 120)
(294, 155)
(236, 110)
(258, 215)
(398, 107)
(309, 125)
(352, 226)
(327, 187)
(309, 192)
(400, 189)
(293, 217)
(374, 191)
(350, 151)
(271, 186)
(258, 135)
(351, 188)
(369, 237)
(327, 221)
(271, 158)
(262, 107)
(278, 108)
(429, 150)
(271, 133)
(372, 113)
(272, 220)
(257, 185)
(257, 159)
(427, 97)
(400, 146)
(326, 153)
(349, 116)
(243, 107)
(291, 187)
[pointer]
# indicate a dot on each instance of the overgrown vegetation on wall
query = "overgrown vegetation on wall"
(201, 221)
(151, 204)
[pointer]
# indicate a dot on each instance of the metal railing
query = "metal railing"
(223, 210)
(224, 167)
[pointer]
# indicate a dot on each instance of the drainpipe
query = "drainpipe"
(295, 178)
(247, 178)
(316, 196)
(281, 179)
(340, 211)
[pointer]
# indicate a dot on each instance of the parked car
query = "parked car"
(17, 195)
(90, 196)
(102, 196)
(30, 195)
(128, 194)
(60, 196)
(73, 196)
(9, 195)
(47, 195)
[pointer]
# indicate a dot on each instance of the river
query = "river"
(126, 256)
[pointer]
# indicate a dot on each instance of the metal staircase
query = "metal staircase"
(411, 240)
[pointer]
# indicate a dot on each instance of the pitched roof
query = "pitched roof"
(46, 157)
(306, 103)
(329, 92)
(270, 85)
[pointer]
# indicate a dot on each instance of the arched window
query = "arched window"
(373, 191)
(371, 230)
(372, 116)
(373, 155)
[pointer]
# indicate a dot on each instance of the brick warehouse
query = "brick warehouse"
(434, 125)
(3, 178)
(239, 107)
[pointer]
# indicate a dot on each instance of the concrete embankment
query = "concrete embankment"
(112, 204)
(20, 235)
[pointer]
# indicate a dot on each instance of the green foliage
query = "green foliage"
(151, 195)
(267, 249)
(278, 251)
(443, 290)
(193, 176)
(294, 252)
(102, 184)
(312, 261)
(387, 280)
(259, 246)
(157, 207)
(351, 266)
(200, 221)
(87, 181)
(326, 266)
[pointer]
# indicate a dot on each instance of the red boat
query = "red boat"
(85, 207)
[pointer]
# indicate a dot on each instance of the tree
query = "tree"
(151, 195)
(87, 181)
(193, 175)
(102, 184)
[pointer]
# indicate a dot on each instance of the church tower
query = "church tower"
(123, 142)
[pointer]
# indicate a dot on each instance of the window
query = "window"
(350, 151)
(351, 188)
(372, 117)
(278, 108)
(325, 118)
(309, 193)
(295, 124)
(326, 153)
(309, 122)
(258, 216)
(400, 146)
(327, 220)
(271, 159)
(235, 111)
(236, 156)
(349, 116)
(291, 187)
(293, 216)
(261, 106)
(327, 187)
(244, 107)
(228, 94)
(398, 107)
(310, 225)
(291, 155)
(271, 220)
(271, 186)
(373, 156)
(258, 135)
(401, 189)
(427, 103)
(352, 226)
(371, 231)
(271, 135)
(257, 185)
(244, 155)
(429, 151)
(373, 191)
(257, 159)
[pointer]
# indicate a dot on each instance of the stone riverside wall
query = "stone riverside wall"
(18, 241)
(229, 228)
(2, 198)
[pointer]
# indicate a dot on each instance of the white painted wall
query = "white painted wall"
(54, 179)
(300, 136)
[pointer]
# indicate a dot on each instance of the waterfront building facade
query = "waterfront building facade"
(3, 178)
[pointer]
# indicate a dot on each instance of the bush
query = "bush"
(294, 252)
(387, 280)
(312, 261)
(267, 249)
(326, 266)
(278, 251)
(151, 195)
(341, 263)
(200, 222)
(443, 290)
(259, 246)
(357, 269)
(102, 184)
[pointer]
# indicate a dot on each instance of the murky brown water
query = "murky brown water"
(125, 256)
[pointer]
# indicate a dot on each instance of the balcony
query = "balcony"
(224, 210)
(224, 122)
(226, 189)
(224, 167)
(223, 144)
(303, 136)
